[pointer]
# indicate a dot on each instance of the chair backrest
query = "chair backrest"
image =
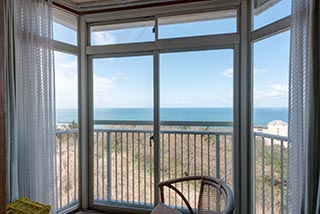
(215, 196)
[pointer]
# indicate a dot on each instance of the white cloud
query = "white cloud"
(103, 94)
(102, 84)
(119, 76)
(65, 62)
(66, 81)
(104, 38)
(229, 72)
(259, 71)
(181, 101)
(258, 94)
(277, 90)
(273, 91)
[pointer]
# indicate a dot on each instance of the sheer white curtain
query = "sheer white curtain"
(35, 100)
(312, 198)
(304, 118)
(12, 147)
(297, 103)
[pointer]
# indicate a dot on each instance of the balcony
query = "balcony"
(123, 169)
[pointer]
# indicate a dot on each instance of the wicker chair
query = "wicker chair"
(215, 196)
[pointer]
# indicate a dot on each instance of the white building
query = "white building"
(277, 127)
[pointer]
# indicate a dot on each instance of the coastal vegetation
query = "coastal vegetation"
(183, 151)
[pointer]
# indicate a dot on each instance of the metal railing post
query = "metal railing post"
(109, 164)
(217, 156)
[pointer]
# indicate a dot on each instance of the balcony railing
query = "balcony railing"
(123, 163)
(271, 175)
(67, 147)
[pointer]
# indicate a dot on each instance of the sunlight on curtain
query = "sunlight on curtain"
(297, 104)
(11, 131)
(313, 90)
(304, 116)
(35, 99)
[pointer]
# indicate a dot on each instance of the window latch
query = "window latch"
(151, 139)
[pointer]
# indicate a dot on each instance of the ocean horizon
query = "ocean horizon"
(261, 116)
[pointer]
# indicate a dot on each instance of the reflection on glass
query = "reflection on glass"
(122, 33)
(199, 80)
(196, 97)
(66, 84)
(198, 24)
(270, 127)
(270, 11)
(271, 80)
(123, 101)
(64, 34)
(123, 88)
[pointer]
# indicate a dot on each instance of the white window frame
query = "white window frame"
(212, 42)
(241, 42)
(70, 20)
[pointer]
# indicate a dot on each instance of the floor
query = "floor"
(90, 212)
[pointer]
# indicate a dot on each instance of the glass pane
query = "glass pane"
(271, 77)
(66, 76)
(198, 24)
(64, 27)
(66, 89)
(123, 126)
(270, 11)
(64, 34)
(196, 113)
(122, 33)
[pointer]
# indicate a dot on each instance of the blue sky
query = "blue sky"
(187, 79)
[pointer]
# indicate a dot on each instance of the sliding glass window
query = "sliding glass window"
(66, 78)
(133, 32)
(269, 11)
(196, 100)
(270, 120)
(123, 126)
(64, 27)
(198, 24)
(66, 91)
(162, 106)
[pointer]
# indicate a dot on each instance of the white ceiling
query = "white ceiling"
(108, 2)
(87, 5)
(85, 1)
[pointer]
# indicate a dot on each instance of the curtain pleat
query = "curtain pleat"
(297, 105)
(313, 100)
(12, 147)
(304, 109)
(31, 95)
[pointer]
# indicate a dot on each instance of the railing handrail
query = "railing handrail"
(167, 131)
(268, 135)
(68, 131)
(164, 123)
(260, 134)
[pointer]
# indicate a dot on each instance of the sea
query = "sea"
(261, 116)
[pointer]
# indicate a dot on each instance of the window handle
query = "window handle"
(151, 139)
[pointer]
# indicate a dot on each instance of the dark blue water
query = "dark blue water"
(261, 115)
